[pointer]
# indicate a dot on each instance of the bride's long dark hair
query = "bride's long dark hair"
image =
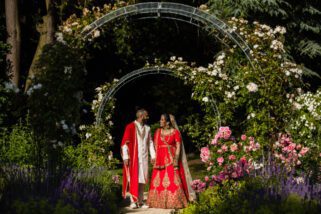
(168, 119)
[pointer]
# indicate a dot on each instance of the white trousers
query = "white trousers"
(141, 188)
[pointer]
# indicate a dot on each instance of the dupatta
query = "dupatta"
(182, 157)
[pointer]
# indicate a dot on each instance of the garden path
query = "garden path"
(125, 204)
(143, 211)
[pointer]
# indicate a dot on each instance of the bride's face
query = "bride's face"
(162, 121)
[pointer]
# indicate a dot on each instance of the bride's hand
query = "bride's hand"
(152, 161)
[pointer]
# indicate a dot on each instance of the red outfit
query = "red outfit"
(168, 185)
(130, 173)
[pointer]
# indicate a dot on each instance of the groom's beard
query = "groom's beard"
(144, 121)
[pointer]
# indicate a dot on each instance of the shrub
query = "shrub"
(16, 146)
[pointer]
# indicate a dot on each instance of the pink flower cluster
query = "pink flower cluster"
(230, 158)
(288, 152)
(205, 154)
(238, 169)
(198, 185)
(234, 171)
(223, 132)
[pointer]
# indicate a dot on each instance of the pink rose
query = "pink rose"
(233, 147)
(257, 145)
(234, 175)
(220, 151)
(232, 157)
(225, 132)
(224, 148)
(243, 160)
(247, 149)
(243, 137)
(206, 178)
(304, 150)
(291, 147)
(214, 141)
(220, 160)
(209, 168)
(205, 154)
(298, 147)
(285, 149)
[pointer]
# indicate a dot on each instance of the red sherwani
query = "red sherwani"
(130, 173)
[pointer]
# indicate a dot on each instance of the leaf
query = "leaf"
(309, 73)
(309, 48)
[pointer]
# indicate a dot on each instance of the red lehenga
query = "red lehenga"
(168, 185)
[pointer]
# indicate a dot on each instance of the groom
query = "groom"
(134, 148)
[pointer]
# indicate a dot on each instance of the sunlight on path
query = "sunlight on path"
(146, 211)
(126, 208)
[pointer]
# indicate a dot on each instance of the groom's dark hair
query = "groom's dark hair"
(140, 111)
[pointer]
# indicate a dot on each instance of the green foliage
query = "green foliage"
(85, 191)
(109, 186)
(248, 197)
(301, 19)
(305, 129)
(41, 206)
(55, 99)
(251, 97)
(7, 90)
(16, 146)
(96, 140)
(93, 151)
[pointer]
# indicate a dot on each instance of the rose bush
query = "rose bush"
(228, 158)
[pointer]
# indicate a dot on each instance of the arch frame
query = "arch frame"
(174, 11)
(139, 73)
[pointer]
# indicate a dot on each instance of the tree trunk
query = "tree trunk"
(46, 31)
(50, 21)
(13, 30)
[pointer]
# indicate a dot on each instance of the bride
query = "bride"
(170, 184)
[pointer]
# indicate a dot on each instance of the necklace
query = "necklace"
(163, 136)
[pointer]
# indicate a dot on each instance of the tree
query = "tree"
(301, 19)
(46, 31)
(14, 40)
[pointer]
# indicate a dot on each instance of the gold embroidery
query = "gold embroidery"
(167, 199)
(166, 182)
(156, 180)
(177, 179)
(166, 160)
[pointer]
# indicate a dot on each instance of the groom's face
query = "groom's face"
(145, 117)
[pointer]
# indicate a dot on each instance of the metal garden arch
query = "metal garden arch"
(164, 10)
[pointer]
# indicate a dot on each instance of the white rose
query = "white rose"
(88, 135)
(96, 33)
(205, 99)
(252, 87)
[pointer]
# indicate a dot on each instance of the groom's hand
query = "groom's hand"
(152, 161)
(126, 162)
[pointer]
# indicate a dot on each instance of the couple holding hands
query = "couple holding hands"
(170, 181)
